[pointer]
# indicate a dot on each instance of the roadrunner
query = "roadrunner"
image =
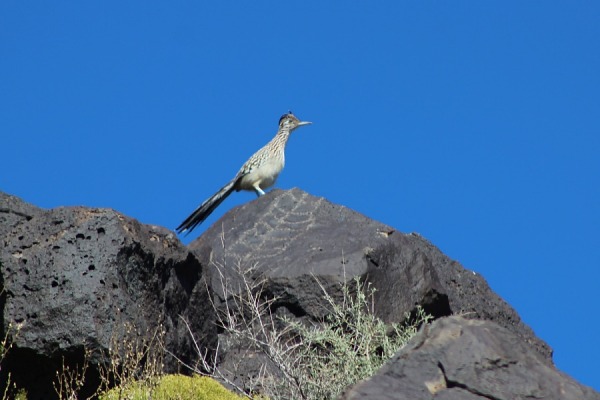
(258, 173)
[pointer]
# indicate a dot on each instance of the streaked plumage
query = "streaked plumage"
(258, 173)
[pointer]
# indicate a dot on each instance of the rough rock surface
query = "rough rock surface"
(408, 270)
(459, 359)
(74, 277)
(293, 238)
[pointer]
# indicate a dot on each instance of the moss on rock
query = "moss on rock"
(173, 387)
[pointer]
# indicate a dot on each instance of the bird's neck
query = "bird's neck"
(282, 136)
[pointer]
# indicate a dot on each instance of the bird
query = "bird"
(258, 173)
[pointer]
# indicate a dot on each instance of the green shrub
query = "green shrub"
(310, 361)
(350, 345)
(173, 387)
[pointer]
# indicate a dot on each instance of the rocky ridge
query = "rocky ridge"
(75, 275)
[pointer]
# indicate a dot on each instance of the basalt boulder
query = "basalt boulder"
(78, 279)
(466, 359)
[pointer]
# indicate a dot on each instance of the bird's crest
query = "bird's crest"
(288, 115)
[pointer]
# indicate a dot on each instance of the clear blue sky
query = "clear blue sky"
(472, 123)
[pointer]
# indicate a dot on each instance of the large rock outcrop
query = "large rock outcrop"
(291, 238)
(75, 276)
(459, 359)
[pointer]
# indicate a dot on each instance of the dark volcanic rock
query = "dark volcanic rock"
(408, 270)
(14, 211)
(75, 276)
(291, 238)
(456, 358)
(287, 236)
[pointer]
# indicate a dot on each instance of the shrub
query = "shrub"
(173, 387)
(309, 361)
(350, 345)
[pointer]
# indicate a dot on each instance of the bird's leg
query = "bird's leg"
(258, 190)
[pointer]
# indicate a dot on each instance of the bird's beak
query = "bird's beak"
(304, 123)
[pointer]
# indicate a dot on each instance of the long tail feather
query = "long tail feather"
(206, 208)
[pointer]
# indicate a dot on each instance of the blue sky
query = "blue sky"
(472, 123)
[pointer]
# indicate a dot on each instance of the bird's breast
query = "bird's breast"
(265, 174)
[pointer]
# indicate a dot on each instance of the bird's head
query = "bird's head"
(290, 122)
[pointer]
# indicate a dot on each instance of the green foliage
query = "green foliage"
(350, 345)
(11, 392)
(311, 361)
(173, 387)
(15, 394)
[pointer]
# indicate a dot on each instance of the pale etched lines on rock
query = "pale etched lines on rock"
(285, 222)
